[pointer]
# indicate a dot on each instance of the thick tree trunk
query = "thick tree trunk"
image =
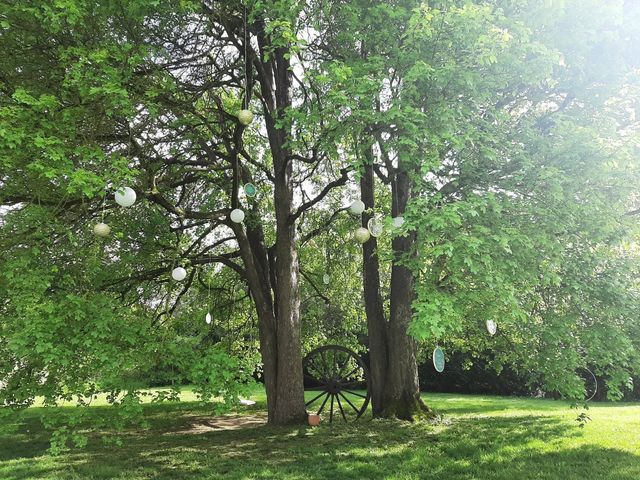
(287, 397)
(402, 398)
(272, 273)
(376, 322)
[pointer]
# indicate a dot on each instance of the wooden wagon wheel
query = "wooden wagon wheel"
(339, 379)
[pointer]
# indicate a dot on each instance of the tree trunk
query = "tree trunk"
(288, 403)
(402, 386)
(272, 273)
(376, 322)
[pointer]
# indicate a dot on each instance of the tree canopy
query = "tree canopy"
(503, 132)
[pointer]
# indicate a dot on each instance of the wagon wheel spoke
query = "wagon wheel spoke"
(355, 393)
(318, 370)
(344, 364)
(331, 412)
(327, 366)
(354, 383)
(340, 407)
(352, 372)
(315, 398)
(323, 404)
(356, 409)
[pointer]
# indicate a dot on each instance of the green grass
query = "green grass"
(480, 437)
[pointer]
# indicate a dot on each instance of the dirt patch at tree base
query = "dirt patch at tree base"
(223, 422)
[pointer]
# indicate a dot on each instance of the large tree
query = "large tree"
(474, 116)
(499, 130)
(144, 94)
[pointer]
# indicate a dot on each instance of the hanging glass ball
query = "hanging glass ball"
(398, 222)
(101, 229)
(237, 215)
(179, 274)
(492, 327)
(207, 318)
(375, 226)
(438, 359)
(362, 235)
(250, 190)
(245, 117)
(326, 279)
(356, 207)
(125, 197)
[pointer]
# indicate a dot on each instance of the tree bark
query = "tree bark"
(376, 322)
(395, 389)
(402, 391)
(280, 332)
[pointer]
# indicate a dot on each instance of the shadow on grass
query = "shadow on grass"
(516, 447)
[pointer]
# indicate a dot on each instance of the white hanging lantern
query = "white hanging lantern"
(397, 222)
(375, 226)
(207, 318)
(125, 197)
(237, 215)
(356, 207)
(326, 279)
(492, 327)
(179, 274)
(245, 117)
(101, 230)
(362, 235)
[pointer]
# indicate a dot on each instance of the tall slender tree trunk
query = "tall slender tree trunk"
(376, 322)
(395, 389)
(402, 387)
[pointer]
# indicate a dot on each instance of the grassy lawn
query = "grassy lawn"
(480, 437)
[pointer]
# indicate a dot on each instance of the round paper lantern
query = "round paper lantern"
(438, 360)
(356, 207)
(179, 274)
(101, 229)
(125, 197)
(362, 235)
(375, 226)
(237, 215)
(207, 318)
(245, 117)
(398, 222)
(492, 327)
(250, 190)
(326, 279)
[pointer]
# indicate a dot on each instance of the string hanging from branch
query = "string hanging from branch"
(245, 116)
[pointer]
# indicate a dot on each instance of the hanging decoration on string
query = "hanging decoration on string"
(397, 222)
(356, 207)
(438, 359)
(245, 116)
(179, 274)
(375, 226)
(207, 317)
(101, 229)
(362, 235)
(125, 197)
(595, 385)
(237, 215)
(492, 327)
(250, 190)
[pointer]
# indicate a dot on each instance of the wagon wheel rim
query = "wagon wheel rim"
(336, 372)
